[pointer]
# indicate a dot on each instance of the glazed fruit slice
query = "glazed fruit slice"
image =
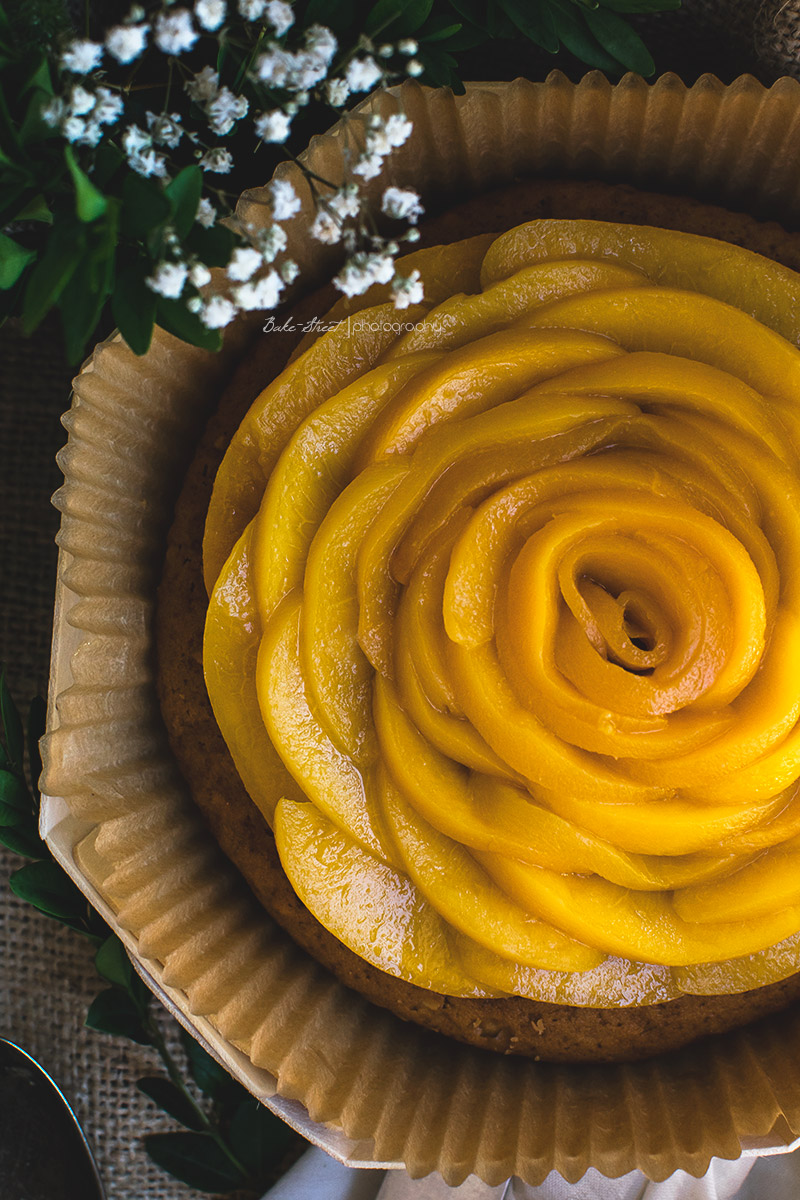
(352, 894)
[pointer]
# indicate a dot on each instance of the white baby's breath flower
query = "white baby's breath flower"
(362, 74)
(280, 16)
(54, 111)
(199, 275)
(225, 110)
(368, 166)
(273, 67)
(203, 86)
(337, 91)
(126, 42)
(81, 101)
(244, 263)
(217, 312)
(414, 67)
(402, 204)
(285, 201)
(289, 270)
(397, 129)
(273, 126)
(218, 160)
(195, 304)
(206, 214)
(362, 270)
(308, 69)
(175, 32)
(346, 202)
(272, 242)
(325, 228)
(135, 139)
(82, 56)
(411, 235)
(385, 51)
(165, 129)
(407, 289)
(148, 162)
(408, 46)
(263, 293)
(209, 13)
(108, 106)
(73, 128)
(320, 41)
(252, 10)
(168, 279)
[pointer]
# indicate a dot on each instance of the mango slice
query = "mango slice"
(351, 893)
(230, 652)
(325, 775)
(452, 881)
(615, 983)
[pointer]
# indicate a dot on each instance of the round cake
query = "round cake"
(501, 636)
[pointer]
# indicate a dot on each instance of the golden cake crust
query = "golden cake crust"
(511, 1025)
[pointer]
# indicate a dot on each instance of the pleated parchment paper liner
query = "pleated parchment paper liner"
(385, 1090)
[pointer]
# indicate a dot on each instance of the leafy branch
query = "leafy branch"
(112, 144)
(229, 1142)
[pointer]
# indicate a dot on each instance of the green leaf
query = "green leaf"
(397, 18)
(13, 261)
(133, 306)
(22, 842)
(439, 67)
(213, 246)
(184, 194)
(472, 10)
(467, 39)
(535, 21)
(13, 738)
(439, 28)
(13, 199)
(171, 1099)
(212, 1079)
(62, 255)
(107, 161)
(46, 887)
(641, 6)
(174, 316)
(576, 37)
(13, 817)
(112, 963)
(145, 207)
(36, 209)
(37, 723)
(616, 36)
(82, 301)
(114, 1011)
(337, 14)
(89, 202)
(195, 1159)
(258, 1138)
(13, 792)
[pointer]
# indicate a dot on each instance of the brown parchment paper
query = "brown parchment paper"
(118, 814)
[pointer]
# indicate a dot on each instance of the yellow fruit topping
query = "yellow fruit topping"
(504, 628)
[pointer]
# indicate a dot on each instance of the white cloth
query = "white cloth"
(317, 1177)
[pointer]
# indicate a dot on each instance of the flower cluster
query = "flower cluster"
(281, 73)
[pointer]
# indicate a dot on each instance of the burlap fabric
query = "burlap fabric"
(46, 977)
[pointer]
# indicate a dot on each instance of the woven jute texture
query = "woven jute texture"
(46, 975)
